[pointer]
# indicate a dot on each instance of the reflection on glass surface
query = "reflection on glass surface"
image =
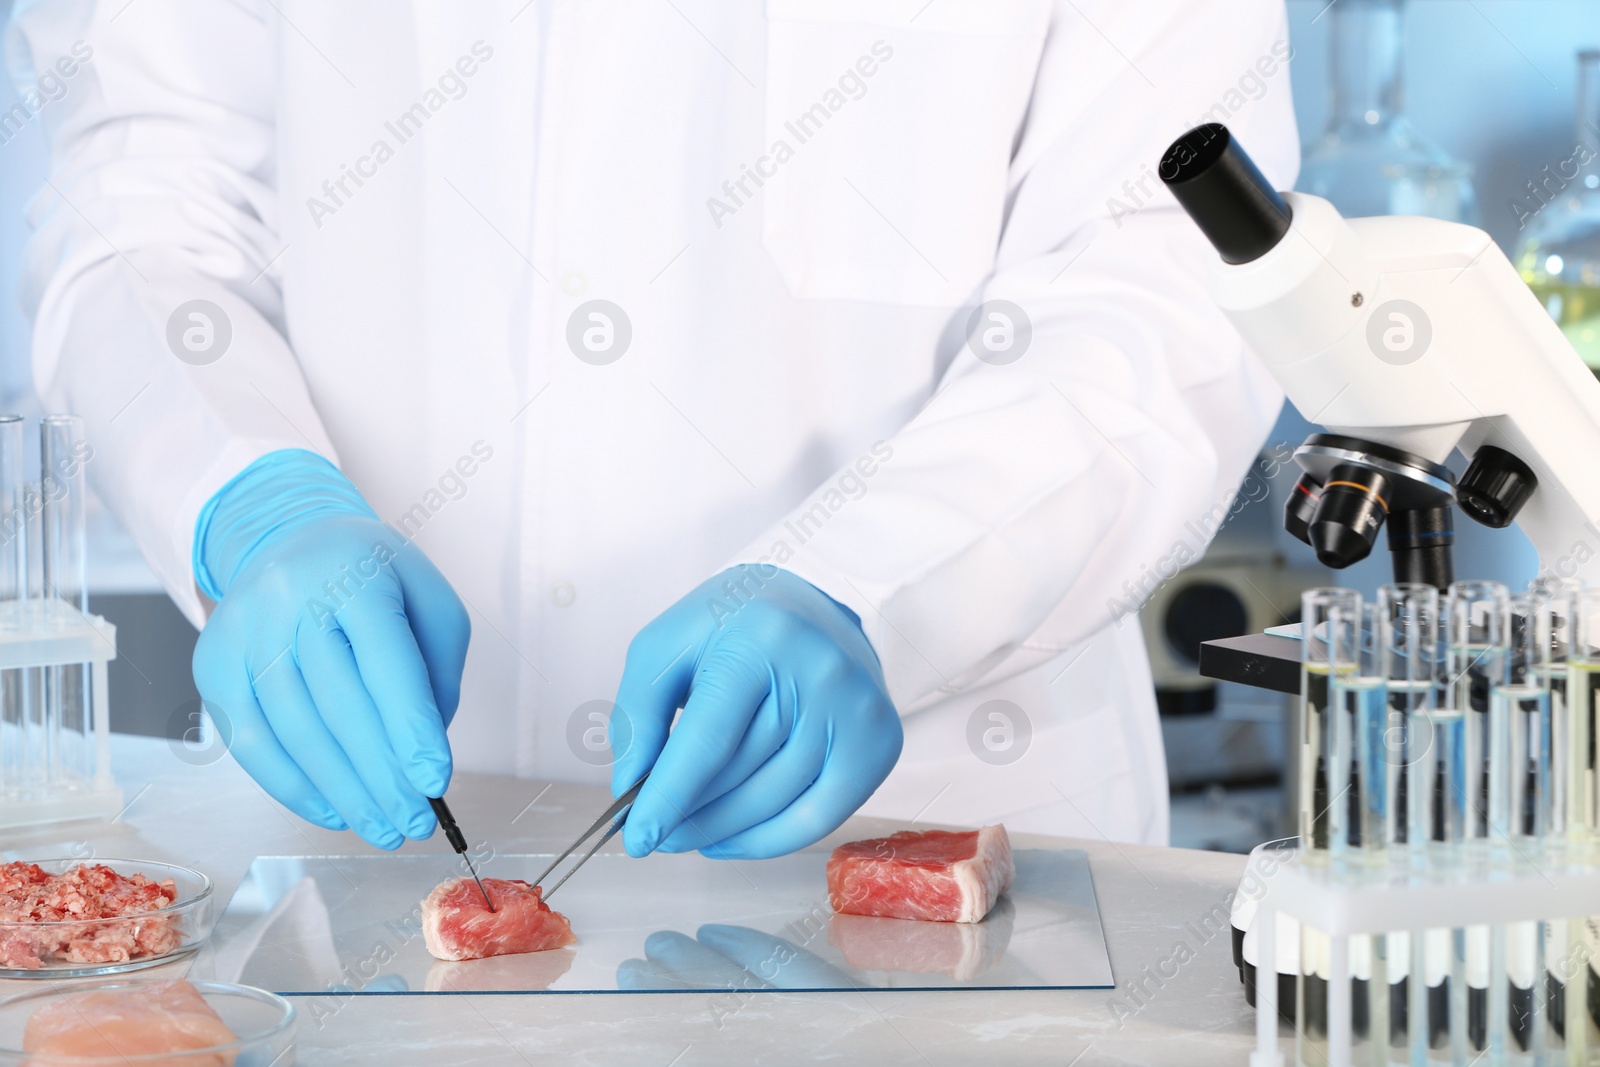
(1559, 256)
(528, 972)
(961, 951)
(1369, 161)
(728, 958)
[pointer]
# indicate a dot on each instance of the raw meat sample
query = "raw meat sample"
(93, 893)
(940, 875)
(457, 925)
(149, 1019)
(961, 951)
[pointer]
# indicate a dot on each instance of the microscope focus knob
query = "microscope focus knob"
(1495, 487)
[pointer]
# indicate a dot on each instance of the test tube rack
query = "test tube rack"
(55, 740)
(1440, 903)
(1440, 888)
(36, 635)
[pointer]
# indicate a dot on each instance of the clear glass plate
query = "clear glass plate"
(668, 923)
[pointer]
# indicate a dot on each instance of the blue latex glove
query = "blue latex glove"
(335, 653)
(786, 729)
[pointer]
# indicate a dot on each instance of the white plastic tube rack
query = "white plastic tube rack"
(1477, 883)
(37, 635)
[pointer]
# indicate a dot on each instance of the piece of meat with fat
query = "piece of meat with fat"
(938, 875)
(458, 925)
(146, 1019)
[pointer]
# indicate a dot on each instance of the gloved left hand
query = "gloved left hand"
(787, 727)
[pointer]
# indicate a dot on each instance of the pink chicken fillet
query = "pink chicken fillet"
(116, 1024)
(938, 875)
(457, 925)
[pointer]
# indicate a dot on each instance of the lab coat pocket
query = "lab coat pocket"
(890, 126)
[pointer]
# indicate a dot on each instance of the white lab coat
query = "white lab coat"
(401, 206)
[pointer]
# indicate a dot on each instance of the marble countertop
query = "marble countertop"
(1178, 998)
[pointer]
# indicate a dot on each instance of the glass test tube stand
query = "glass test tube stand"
(38, 638)
(1454, 887)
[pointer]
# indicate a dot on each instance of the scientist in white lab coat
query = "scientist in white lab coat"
(833, 370)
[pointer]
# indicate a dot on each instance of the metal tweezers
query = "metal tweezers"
(616, 814)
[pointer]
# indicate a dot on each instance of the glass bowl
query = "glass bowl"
(264, 1024)
(81, 948)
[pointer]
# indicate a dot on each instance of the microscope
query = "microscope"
(1406, 339)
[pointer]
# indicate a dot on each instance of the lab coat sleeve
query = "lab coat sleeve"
(1028, 505)
(159, 194)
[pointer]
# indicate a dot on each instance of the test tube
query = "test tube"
(1477, 653)
(1518, 745)
(61, 460)
(1553, 598)
(1355, 698)
(1316, 669)
(1518, 735)
(1435, 739)
(1320, 615)
(1583, 680)
(62, 452)
(14, 714)
(1435, 748)
(1409, 622)
(1354, 722)
(1407, 617)
(1476, 660)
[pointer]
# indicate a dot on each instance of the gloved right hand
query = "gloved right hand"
(335, 653)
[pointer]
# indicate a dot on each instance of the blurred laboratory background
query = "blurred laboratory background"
(1465, 109)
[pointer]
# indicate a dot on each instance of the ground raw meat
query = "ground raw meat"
(457, 925)
(149, 1019)
(935, 874)
(82, 916)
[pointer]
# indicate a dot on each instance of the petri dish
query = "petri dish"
(82, 948)
(263, 1025)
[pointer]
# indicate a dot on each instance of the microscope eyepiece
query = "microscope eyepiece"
(1350, 512)
(1224, 192)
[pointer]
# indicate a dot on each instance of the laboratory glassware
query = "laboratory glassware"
(1369, 160)
(1558, 222)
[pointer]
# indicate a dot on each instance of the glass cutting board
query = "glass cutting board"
(347, 925)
